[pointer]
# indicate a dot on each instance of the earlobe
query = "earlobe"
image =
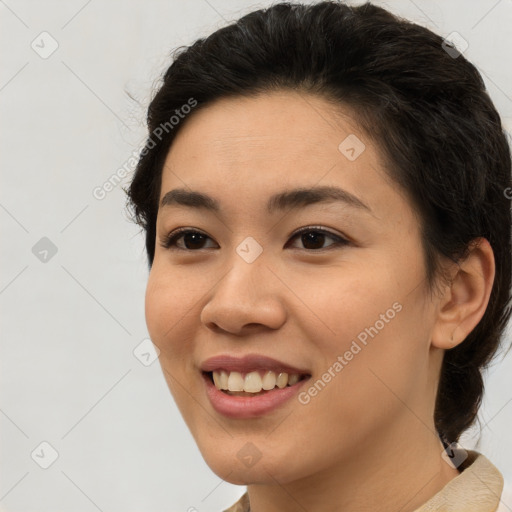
(465, 299)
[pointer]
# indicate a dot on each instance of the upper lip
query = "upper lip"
(248, 363)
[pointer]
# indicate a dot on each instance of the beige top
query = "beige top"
(478, 488)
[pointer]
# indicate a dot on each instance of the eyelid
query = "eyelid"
(340, 240)
(175, 234)
(169, 240)
(320, 229)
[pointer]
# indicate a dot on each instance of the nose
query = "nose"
(248, 297)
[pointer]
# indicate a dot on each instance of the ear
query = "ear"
(465, 299)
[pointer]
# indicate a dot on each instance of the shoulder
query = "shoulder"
(478, 488)
(242, 505)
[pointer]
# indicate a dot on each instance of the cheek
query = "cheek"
(168, 311)
(361, 398)
(168, 308)
(372, 348)
(345, 304)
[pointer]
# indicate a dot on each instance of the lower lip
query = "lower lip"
(249, 407)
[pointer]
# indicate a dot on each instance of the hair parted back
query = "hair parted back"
(438, 132)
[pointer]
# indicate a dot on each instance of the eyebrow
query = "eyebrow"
(286, 200)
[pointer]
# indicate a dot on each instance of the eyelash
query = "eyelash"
(170, 240)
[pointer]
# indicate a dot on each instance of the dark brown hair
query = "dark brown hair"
(424, 104)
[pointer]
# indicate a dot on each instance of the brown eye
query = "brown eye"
(191, 240)
(313, 239)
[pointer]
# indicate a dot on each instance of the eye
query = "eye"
(312, 237)
(191, 238)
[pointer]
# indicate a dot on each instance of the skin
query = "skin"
(367, 440)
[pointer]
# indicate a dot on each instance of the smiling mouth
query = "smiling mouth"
(253, 383)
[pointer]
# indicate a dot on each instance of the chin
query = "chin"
(239, 469)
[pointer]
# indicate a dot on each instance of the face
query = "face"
(329, 286)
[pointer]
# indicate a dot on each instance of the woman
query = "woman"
(324, 195)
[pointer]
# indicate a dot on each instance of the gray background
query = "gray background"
(71, 320)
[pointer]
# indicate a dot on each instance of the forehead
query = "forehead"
(245, 149)
(281, 124)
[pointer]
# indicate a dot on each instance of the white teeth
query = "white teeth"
(293, 379)
(223, 380)
(253, 382)
(282, 380)
(216, 380)
(235, 381)
(269, 380)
